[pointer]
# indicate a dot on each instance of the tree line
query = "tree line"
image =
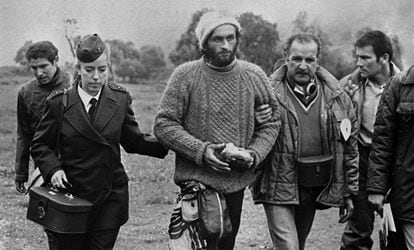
(261, 44)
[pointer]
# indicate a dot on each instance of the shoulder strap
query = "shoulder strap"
(60, 121)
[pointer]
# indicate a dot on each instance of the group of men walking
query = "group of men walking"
(310, 141)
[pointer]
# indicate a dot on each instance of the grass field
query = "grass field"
(152, 193)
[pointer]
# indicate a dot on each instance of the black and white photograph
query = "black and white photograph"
(206, 125)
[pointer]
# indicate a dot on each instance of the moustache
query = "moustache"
(42, 78)
(302, 72)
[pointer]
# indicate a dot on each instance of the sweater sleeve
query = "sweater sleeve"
(265, 135)
(168, 125)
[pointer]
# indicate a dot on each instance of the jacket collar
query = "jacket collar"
(76, 115)
(410, 76)
(357, 79)
(59, 78)
(329, 83)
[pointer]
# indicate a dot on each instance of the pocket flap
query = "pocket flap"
(319, 160)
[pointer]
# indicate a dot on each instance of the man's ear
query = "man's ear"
(56, 60)
(78, 68)
(385, 58)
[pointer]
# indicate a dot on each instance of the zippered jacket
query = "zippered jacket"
(276, 179)
(358, 97)
(392, 156)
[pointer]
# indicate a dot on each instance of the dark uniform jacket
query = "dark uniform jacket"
(276, 179)
(90, 150)
(30, 105)
(392, 155)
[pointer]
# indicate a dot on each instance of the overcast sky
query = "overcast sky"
(161, 22)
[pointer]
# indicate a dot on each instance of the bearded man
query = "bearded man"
(210, 102)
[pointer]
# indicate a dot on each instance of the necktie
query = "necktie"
(92, 109)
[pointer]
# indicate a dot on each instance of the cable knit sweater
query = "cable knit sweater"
(201, 106)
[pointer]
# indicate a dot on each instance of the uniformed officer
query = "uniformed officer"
(42, 58)
(97, 118)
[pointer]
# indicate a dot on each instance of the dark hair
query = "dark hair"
(379, 41)
(304, 37)
(43, 49)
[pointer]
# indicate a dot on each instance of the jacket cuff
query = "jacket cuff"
(21, 178)
(50, 174)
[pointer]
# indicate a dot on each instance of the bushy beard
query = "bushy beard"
(215, 59)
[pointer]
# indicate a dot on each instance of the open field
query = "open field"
(152, 193)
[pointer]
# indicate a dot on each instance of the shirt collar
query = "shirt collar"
(85, 97)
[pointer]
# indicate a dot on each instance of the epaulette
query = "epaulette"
(117, 87)
(55, 93)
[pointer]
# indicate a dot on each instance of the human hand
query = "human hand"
(263, 114)
(237, 157)
(59, 180)
(377, 202)
(20, 187)
(250, 161)
(350, 88)
(346, 212)
(210, 157)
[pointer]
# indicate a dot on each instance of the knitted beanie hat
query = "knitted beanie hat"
(211, 20)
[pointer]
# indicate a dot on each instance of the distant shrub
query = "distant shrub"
(164, 74)
(13, 80)
(8, 71)
(4, 82)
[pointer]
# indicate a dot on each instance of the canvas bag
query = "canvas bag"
(189, 207)
(213, 215)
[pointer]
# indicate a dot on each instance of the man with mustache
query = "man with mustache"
(210, 102)
(365, 86)
(42, 58)
(314, 162)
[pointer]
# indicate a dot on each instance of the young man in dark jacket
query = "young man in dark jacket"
(365, 85)
(391, 162)
(97, 119)
(314, 162)
(42, 58)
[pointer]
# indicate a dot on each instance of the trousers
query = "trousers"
(357, 232)
(102, 240)
(289, 225)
